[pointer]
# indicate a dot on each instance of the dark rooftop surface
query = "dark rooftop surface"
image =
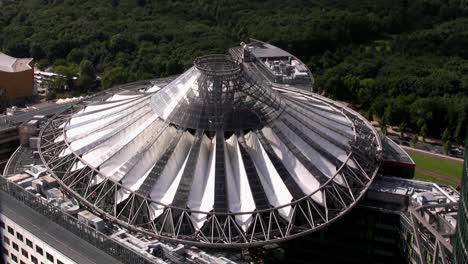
(51, 233)
(45, 110)
(6, 124)
(265, 50)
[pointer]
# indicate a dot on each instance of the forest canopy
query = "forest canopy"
(404, 62)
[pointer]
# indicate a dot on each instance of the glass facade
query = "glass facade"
(460, 248)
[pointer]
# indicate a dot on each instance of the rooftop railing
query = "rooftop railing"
(99, 240)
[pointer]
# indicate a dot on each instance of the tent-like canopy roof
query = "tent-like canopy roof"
(214, 157)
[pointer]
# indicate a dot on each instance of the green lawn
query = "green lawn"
(439, 166)
(423, 177)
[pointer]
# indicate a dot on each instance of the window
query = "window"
(22, 262)
(39, 250)
(49, 257)
(33, 259)
(7, 240)
(14, 258)
(29, 243)
(11, 231)
(15, 246)
(5, 252)
(24, 253)
(59, 262)
(19, 236)
(2, 225)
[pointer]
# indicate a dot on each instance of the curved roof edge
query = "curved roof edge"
(12, 64)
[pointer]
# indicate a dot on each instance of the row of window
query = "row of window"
(29, 243)
(14, 258)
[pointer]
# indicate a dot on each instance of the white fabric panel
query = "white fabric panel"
(137, 175)
(64, 152)
(145, 140)
(111, 121)
(125, 110)
(79, 144)
(336, 114)
(337, 152)
(121, 195)
(97, 179)
(84, 117)
(168, 98)
(107, 104)
(315, 122)
(165, 187)
(328, 108)
(240, 197)
(304, 179)
(297, 96)
(153, 89)
(322, 120)
(125, 149)
(274, 187)
(112, 101)
(101, 137)
(78, 165)
(201, 196)
(337, 118)
(322, 163)
(310, 100)
(77, 113)
(94, 151)
(59, 138)
(111, 161)
(125, 167)
(123, 96)
(92, 114)
(315, 100)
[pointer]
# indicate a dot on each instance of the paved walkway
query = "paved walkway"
(435, 155)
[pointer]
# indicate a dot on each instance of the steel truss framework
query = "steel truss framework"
(220, 228)
(226, 99)
(432, 246)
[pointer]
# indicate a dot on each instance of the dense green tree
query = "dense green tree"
(76, 55)
(114, 76)
(36, 51)
(383, 126)
(402, 128)
(446, 136)
(414, 140)
(423, 132)
(400, 61)
(87, 75)
(121, 43)
(446, 146)
(57, 84)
